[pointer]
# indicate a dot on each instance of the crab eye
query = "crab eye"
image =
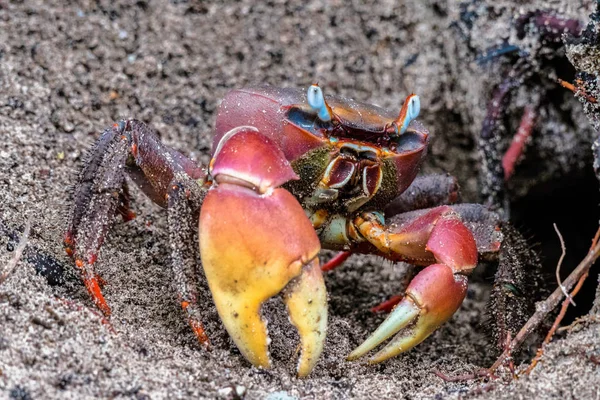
(316, 101)
(410, 111)
(414, 107)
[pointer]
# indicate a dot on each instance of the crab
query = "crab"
(537, 66)
(293, 171)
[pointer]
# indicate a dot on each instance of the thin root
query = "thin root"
(577, 90)
(558, 265)
(565, 304)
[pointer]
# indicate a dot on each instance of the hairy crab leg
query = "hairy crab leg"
(492, 175)
(128, 146)
(124, 204)
(96, 202)
(436, 292)
(83, 193)
(183, 203)
(518, 285)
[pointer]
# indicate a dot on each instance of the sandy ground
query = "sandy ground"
(68, 71)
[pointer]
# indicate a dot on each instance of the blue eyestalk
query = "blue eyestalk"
(316, 101)
(410, 111)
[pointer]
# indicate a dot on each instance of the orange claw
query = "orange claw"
(255, 241)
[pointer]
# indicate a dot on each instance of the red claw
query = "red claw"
(452, 243)
(431, 299)
(435, 293)
(264, 166)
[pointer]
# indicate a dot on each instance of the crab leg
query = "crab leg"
(127, 147)
(183, 204)
(95, 204)
(336, 261)
(435, 293)
(425, 192)
(517, 146)
(518, 285)
(255, 241)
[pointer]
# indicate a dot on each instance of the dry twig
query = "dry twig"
(12, 264)
(563, 310)
(481, 373)
(586, 319)
(545, 307)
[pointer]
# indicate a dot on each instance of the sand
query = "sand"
(68, 71)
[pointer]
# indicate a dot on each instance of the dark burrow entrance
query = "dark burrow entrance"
(573, 203)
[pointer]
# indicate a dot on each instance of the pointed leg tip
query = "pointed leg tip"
(129, 216)
(201, 335)
(104, 308)
(93, 288)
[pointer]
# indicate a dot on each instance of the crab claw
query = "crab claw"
(255, 241)
(432, 297)
(306, 299)
(435, 293)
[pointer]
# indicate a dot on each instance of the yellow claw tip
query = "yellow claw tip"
(252, 248)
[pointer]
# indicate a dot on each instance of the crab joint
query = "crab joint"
(409, 111)
(316, 101)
